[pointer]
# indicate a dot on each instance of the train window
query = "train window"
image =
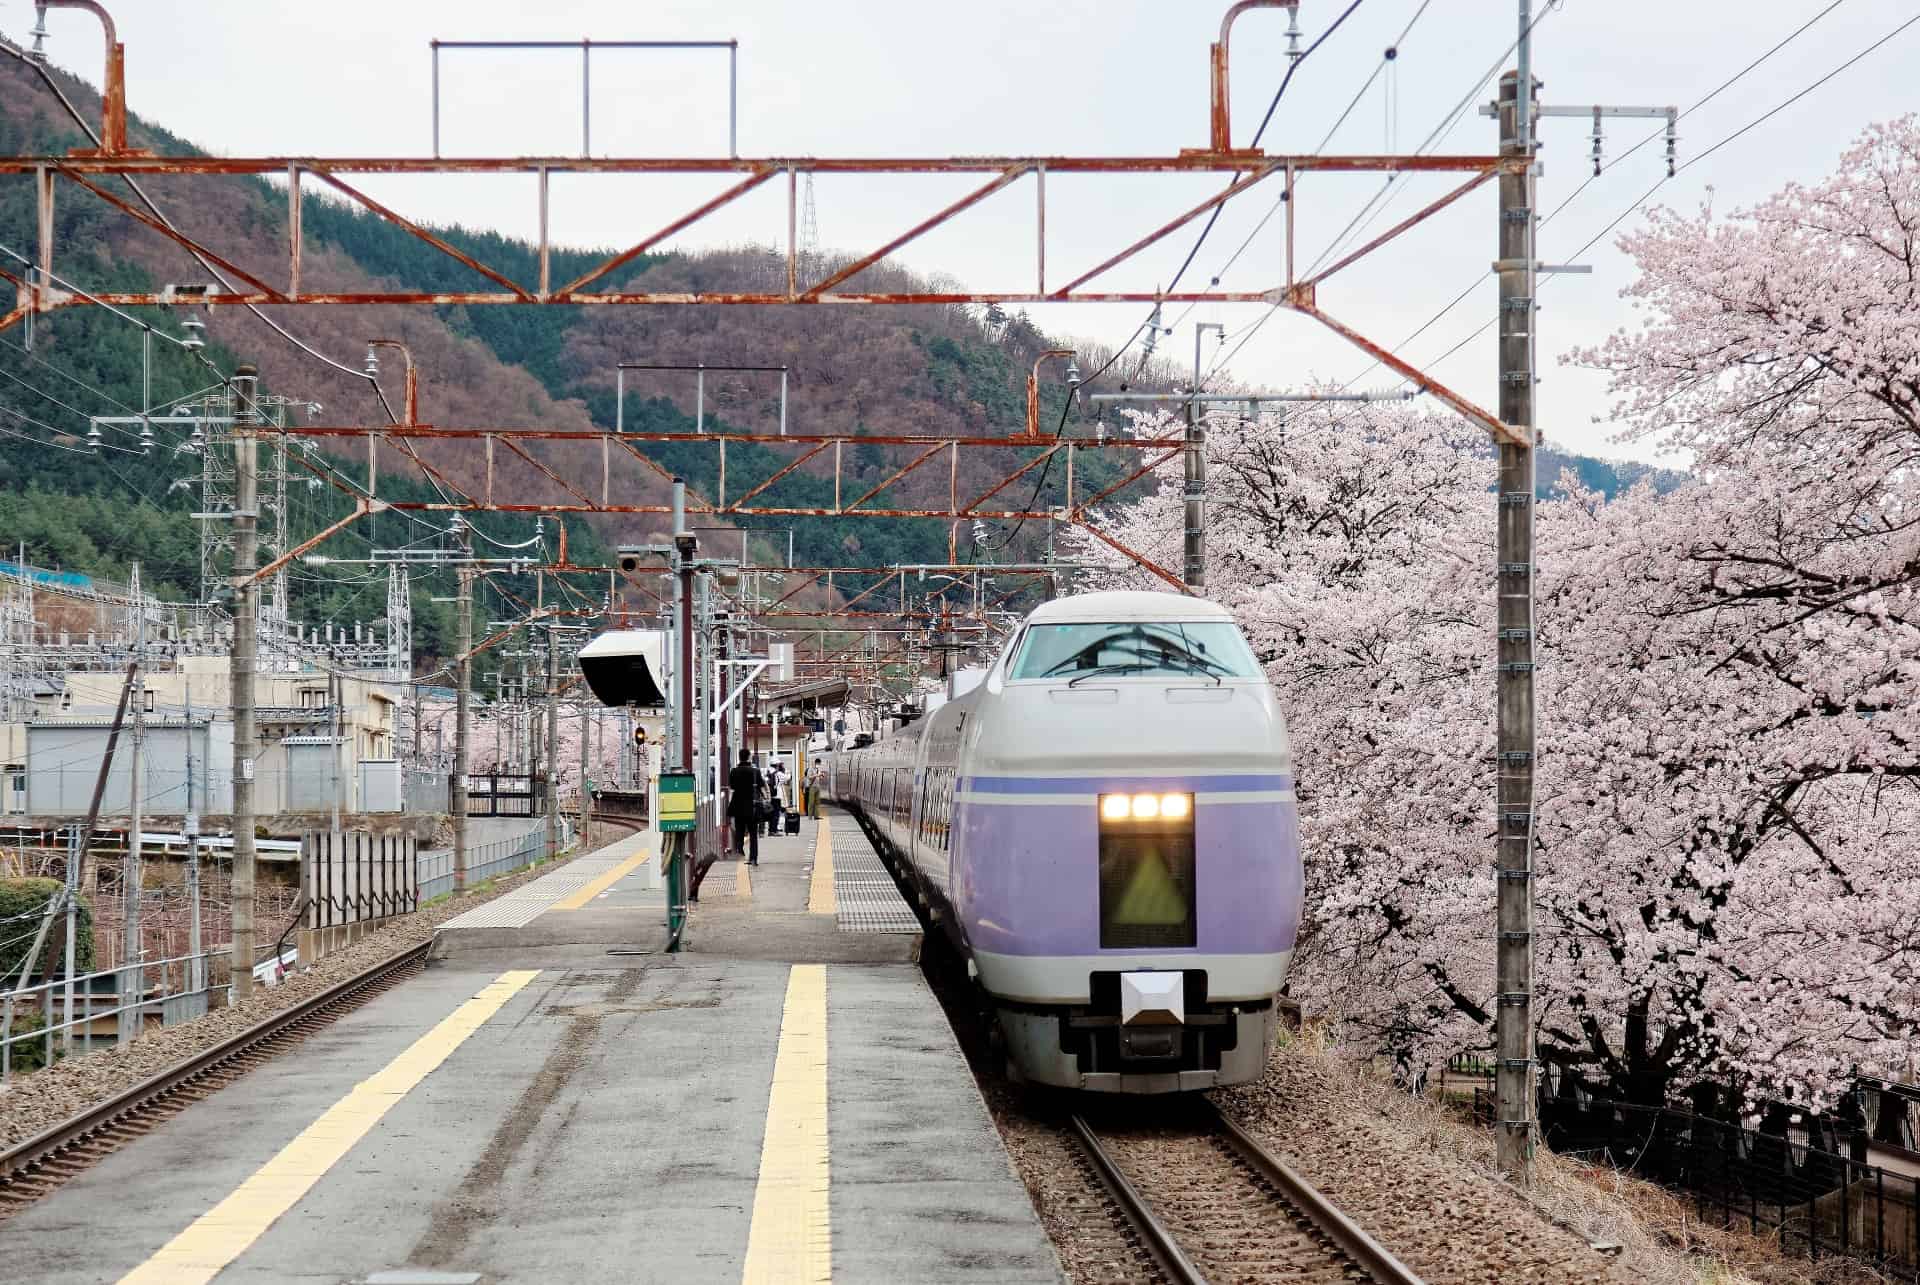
(1212, 648)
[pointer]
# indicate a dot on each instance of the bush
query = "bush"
(22, 902)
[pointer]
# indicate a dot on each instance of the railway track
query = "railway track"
(1208, 1203)
(37, 1166)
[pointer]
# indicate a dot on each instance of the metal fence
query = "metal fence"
(174, 988)
(1817, 1201)
(355, 877)
(484, 861)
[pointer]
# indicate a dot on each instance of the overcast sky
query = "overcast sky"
(1118, 77)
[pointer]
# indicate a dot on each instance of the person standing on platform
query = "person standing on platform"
(776, 782)
(743, 807)
(814, 781)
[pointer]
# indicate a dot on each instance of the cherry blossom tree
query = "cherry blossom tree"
(1726, 813)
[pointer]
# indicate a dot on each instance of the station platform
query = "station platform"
(553, 1099)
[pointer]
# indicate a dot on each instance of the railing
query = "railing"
(354, 877)
(1816, 1201)
(484, 861)
(74, 1001)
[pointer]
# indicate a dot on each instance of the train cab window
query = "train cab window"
(1211, 648)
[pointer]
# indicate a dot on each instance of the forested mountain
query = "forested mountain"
(852, 370)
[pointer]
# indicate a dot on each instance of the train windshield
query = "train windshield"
(1207, 648)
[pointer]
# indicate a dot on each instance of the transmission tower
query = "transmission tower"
(809, 224)
(213, 439)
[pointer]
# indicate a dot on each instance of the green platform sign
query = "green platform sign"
(677, 811)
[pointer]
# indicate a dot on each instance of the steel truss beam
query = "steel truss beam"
(41, 290)
(1243, 170)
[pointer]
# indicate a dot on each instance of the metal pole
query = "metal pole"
(700, 401)
(586, 716)
(462, 724)
(246, 642)
(783, 405)
(1196, 490)
(586, 102)
(1513, 862)
(132, 977)
(553, 741)
(196, 966)
(685, 673)
(73, 922)
(338, 690)
(435, 46)
(733, 98)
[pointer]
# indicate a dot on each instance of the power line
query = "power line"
(1664, 180)
(153, 208)
(1046, 469)
(1474, 284)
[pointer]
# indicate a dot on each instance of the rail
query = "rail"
(25, 1172)
(1346, 1236)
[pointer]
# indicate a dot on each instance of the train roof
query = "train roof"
(1127, 604)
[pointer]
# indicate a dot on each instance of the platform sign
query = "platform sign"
(676, 802)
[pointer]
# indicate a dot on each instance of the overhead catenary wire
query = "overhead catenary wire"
(1646, 196)
(1387, 57)
(154, 209)
(1046, 469)
(1475, 283)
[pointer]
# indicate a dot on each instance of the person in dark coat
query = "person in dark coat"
(743, 807)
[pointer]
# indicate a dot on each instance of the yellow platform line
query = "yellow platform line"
(820, 895)
(743, 883)
(791, 1236)
(224, 1232)
(578, 900)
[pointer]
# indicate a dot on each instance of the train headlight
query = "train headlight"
(1146, 807)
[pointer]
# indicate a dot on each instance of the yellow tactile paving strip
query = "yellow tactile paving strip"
(791, 1237)
(820, 895)
(224, 1232)
(578, 900)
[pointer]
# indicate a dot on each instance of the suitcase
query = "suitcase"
(793, 823)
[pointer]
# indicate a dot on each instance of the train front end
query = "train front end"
(1128, 873)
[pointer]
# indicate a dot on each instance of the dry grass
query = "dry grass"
(1661, 1240)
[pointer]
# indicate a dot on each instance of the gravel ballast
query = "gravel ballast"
(34, 1103)
(1397, 1168)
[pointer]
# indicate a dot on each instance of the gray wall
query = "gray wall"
(63, 763)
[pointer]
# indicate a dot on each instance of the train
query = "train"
(1104, 827)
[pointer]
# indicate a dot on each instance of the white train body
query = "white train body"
(1105, 826)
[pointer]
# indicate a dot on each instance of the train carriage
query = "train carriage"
(1105, 827)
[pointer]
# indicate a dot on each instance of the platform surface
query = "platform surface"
(555, 1102)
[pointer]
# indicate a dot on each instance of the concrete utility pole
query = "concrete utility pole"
(1513, 861)
(552, 790)
(133, 978)
(246, 644)
(462, 720)
(196, 966)
(586, 719)
(1195, 572)
(337, 690)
